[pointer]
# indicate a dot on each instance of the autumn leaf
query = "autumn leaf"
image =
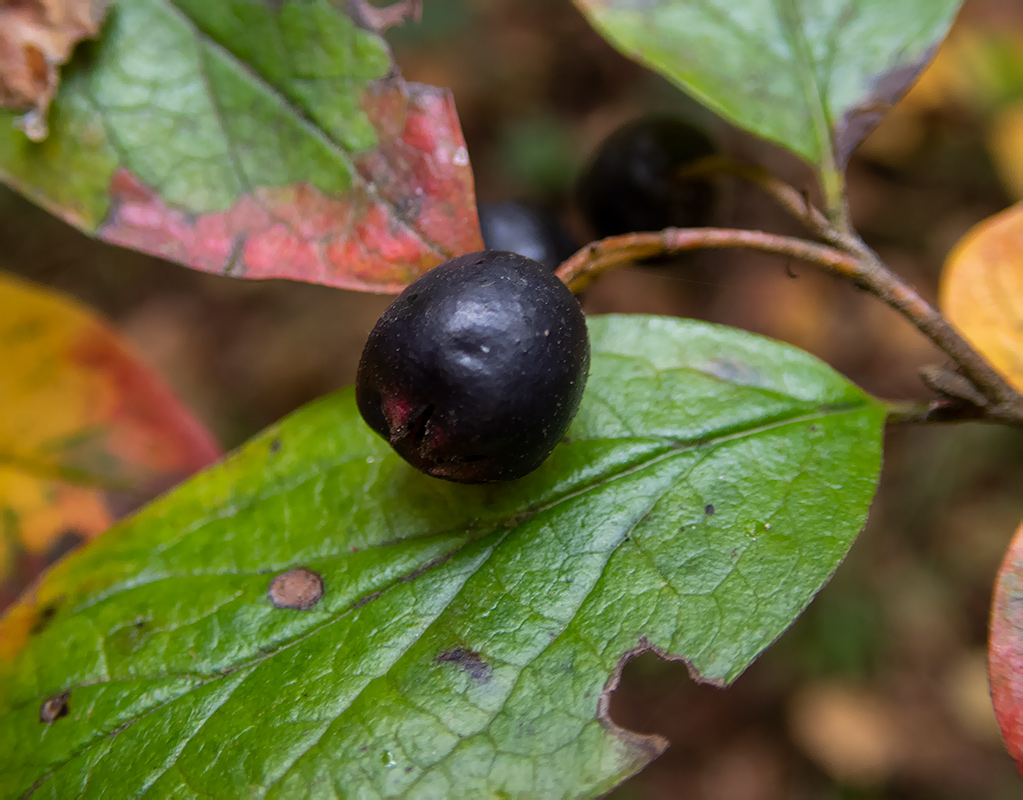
(36, 37)
(981, 290)
(257, 140)
(86, 431)
(1005, 648)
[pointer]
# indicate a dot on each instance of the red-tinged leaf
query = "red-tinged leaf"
(259, 140)
(1005, 648)
(86, 431)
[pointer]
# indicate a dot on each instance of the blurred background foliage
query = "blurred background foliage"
(879, 690)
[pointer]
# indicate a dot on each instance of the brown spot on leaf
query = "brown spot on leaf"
(299, 588)
(46, 614)
(36, 37)
(54, 707)
(469, 660)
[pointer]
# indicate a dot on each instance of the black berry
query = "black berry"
(632, 185)
(525, 228)
(475, 371)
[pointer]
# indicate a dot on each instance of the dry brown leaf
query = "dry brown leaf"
(36, 37)
(982, 290)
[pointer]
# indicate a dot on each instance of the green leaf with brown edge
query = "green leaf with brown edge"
(256, 139)
(814, 77)
(316, 618)
(87, 431)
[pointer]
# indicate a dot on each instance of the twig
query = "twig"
(1004, 403)
(941, 410)
(795, 202)
(855, 262)
(601, 256)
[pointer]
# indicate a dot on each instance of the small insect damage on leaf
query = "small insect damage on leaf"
(275, 445)
(470, 661)
(54, 708)
(709, 510)
(648, 745)
(298, 588)
(888, 88)
(37, 37)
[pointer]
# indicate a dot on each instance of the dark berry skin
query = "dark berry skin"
(631, 184)
(527, 229)
(475, 371)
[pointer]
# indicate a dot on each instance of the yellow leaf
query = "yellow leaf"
(87, 432)
(981, 290)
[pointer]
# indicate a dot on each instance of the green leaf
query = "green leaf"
(811, 75)
(466, 637)
(257, 139)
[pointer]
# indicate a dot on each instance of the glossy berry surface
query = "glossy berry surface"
(631, 184)
(475, 371)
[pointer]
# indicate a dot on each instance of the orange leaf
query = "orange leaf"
(86, 431)
(982, 290)
(36, 36)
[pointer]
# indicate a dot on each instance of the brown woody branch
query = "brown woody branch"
(993, 399)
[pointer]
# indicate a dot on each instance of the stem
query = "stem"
(855, 262)
(941, 410)
(833, 186)
(796, 203)
(601, 256)
(1004, 403)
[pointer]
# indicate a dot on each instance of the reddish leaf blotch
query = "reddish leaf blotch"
(413, 209)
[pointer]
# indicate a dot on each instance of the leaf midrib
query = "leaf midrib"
(791, 20)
